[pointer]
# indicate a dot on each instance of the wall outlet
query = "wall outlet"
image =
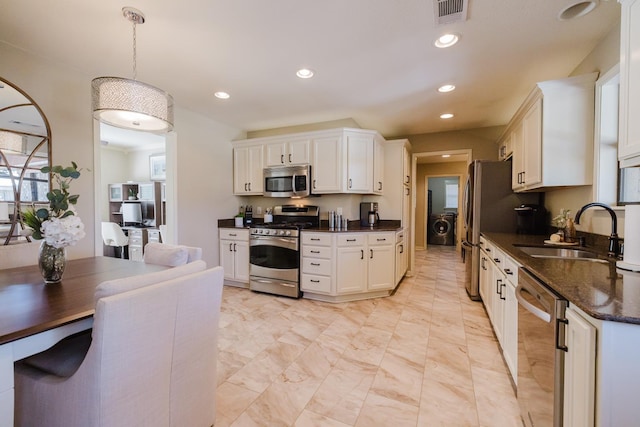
(259, 210)
(338, 211)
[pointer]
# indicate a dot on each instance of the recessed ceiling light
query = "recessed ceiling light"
(446, 116)
(576, 8)
(446, 156)
(447, 40)
(222, 95)
(446, 88)
(304, 73)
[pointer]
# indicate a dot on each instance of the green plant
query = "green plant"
(560, 221)
(58, 223)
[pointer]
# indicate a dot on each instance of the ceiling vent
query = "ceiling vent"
(450, 11)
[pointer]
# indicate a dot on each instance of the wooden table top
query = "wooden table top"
(29, 306)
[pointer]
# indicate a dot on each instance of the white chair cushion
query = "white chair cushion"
(117, 286)
(164, 254)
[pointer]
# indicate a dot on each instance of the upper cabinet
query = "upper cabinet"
(342, 160)
(288, 153)
(247, 170)
(629, 134)
(551, 135)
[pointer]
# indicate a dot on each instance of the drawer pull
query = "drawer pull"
(508, 271)
(315, 264)
(232, 234)
(497, 260)
(314, 281)
(315, 252)
(351, 240)
(315, 239)
(381, 240)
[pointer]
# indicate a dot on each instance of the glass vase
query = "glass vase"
(52, 262)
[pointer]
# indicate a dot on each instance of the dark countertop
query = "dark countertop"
(598, 289)
(352, 227)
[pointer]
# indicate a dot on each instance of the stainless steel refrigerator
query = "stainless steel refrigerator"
(488, 205)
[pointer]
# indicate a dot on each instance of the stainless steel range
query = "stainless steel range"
(274, 250)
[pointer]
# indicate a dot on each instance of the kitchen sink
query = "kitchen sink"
(560, 253)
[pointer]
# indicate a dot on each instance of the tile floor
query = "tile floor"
(425, 356)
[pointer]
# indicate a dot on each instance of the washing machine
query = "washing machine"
(442, 229)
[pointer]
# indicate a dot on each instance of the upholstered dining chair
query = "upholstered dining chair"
(150, 359)
(170, 255)
(112, 235)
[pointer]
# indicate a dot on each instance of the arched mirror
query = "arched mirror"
(25, 147)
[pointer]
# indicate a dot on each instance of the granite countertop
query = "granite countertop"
(352, 227)
(599, 289)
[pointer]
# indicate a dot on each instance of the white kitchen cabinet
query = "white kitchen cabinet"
(351, 265)
(497, 291)
(510, 317)
(234, 254)
(326, 169)
(381, 261)
(505, 147)
(629, 133)
(247, 170)
(557, 135)
(359, 162)
(402, 260)
(290, 152)
(378, 167)
(579, 371)
(317, 263)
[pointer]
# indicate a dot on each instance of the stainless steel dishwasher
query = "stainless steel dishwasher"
(541, 348)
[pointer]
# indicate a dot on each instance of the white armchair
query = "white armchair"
(151, 360)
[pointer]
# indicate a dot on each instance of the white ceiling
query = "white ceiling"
(374, 59)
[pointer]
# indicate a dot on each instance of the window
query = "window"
(451, 196)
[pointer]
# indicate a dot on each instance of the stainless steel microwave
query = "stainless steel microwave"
(287, 181)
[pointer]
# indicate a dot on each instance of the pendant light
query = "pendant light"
(131, 104)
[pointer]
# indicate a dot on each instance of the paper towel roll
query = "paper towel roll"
(632, 234)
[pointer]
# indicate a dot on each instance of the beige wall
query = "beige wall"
(424, 171)
(602, 58)
(204, 164)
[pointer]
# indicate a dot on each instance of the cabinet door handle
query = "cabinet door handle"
(361, 253)
(234, 248)
(408, 191)
(523, 177)
(249, 186)
(315, 264)
(379, 185)
(401, 249)
(408, 180)
(350, 182)
(282, 158)
(371, 254)
(289, 157)
(230, 247)
(482, 263)
(314, 184)
(502, 285)
(245, 186)
(498, 287)
(558, 345)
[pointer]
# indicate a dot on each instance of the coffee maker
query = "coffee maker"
(369, 214)
(531, 219)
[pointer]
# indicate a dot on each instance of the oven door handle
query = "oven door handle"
(540, 314)
(269, 282)
(281, 242)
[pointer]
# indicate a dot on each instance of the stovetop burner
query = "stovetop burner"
(288, 220)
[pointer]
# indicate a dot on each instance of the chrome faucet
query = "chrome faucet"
(614, 240)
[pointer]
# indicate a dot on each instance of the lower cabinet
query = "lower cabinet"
(498, 282)
(579, 371)
(347, 266)
(137, 240)
(234, 254)
(402, 259)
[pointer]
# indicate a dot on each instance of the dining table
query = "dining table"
(34, 315)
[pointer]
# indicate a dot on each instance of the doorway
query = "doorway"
(443, 194)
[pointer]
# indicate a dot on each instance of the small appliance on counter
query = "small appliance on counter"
(531, 219)
(369, 216)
